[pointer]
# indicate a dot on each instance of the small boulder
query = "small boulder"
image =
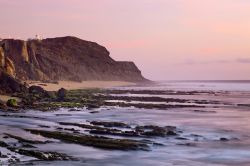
(38, 91)
(92, 106)
(3, 105)
(51, 94)
(62, 94)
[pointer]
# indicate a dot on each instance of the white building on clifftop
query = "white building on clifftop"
(37, 37)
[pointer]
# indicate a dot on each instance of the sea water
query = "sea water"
(203, 129)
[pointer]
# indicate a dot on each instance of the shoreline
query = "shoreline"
(71, 85)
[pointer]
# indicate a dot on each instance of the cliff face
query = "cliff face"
(64, 58)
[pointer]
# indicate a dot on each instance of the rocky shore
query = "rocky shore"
(35, 97)
(111, 135)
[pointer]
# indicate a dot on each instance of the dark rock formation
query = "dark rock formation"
(39, 91)
(61, 94)
(3, 105)
(64, 58)
(9, 84)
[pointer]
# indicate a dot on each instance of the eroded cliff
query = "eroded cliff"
(64, 58)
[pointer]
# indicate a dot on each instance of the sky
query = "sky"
(167, 39)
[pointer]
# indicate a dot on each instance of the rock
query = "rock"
(51, 94)
(85, 126)
(157, 131)
(9, 84)
(187, 144)
(3, 106)
(171, 133)
(3, 156)
(94, 112)
(23, 140)
(40, 92)
(36, 89)
(12, 103)
(110, 124)
(244, 105)
(74, 110)
(93, 141)
(106, 128)
(44, 126)
(28, 146)
(92, 106)
(61, 94)
(3, 144)
(224, 139)
(70, 129)
(114, 132)
(181, 138)
(46, 156)
(151, 106)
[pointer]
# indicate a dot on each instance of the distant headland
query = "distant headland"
(62, 59)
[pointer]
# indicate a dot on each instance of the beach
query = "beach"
(5, 98)
(70, 85)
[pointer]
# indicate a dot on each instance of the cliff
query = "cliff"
(63, 58)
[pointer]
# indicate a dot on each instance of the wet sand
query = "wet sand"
(5, 98)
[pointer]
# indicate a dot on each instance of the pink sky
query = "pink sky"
(167, 39)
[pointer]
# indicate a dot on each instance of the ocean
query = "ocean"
(213, 85)
(215, 133)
